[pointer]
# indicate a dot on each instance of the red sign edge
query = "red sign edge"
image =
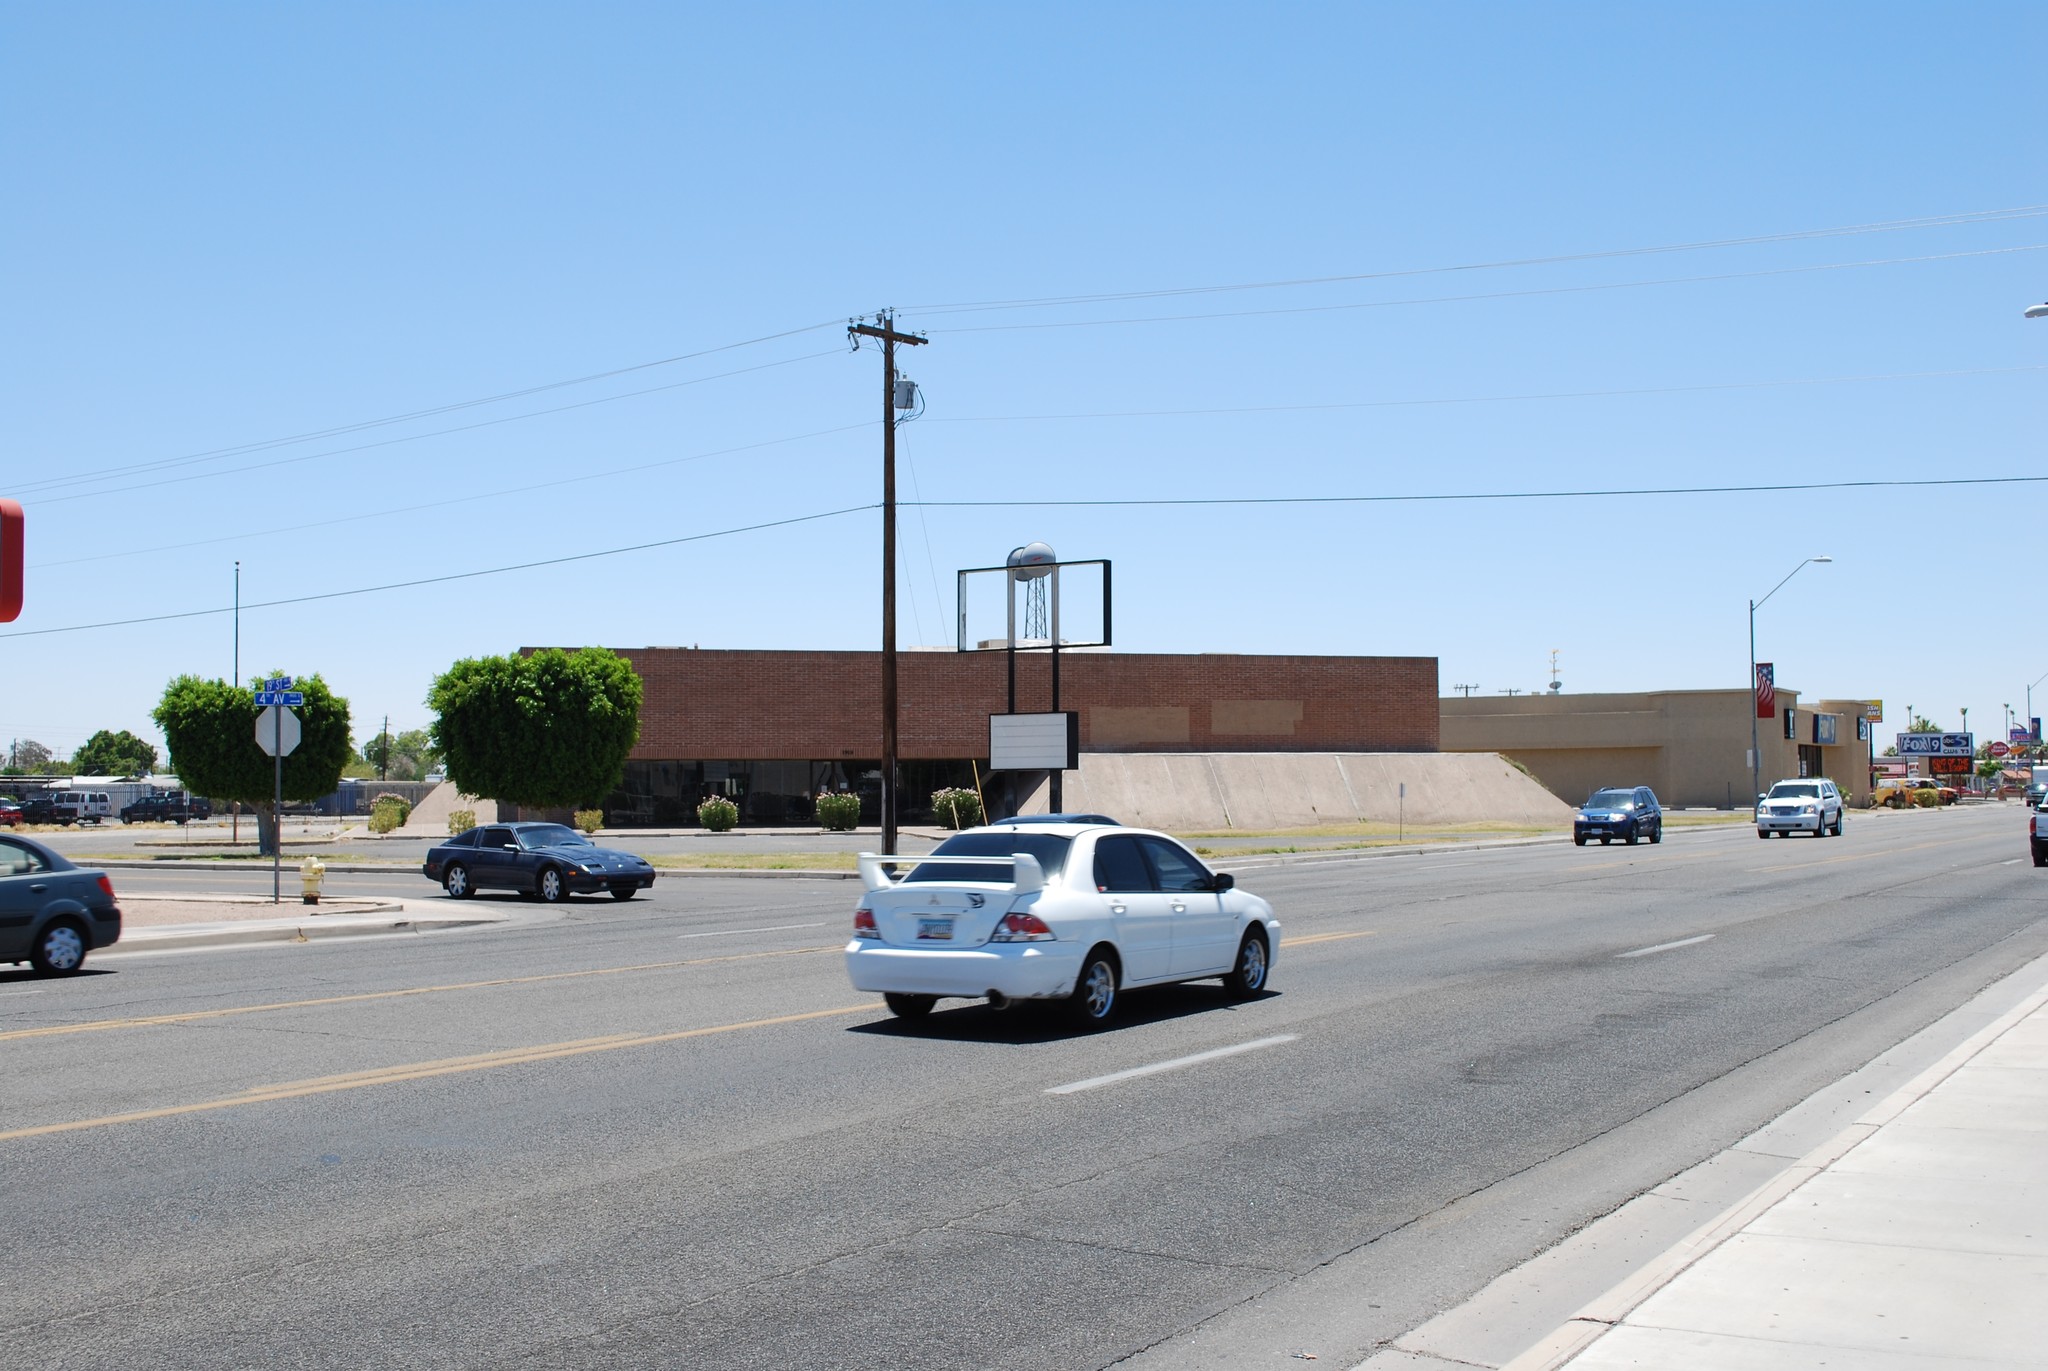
(13, 524)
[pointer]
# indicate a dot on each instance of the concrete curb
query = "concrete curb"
(392, 917)
(1595, 1319)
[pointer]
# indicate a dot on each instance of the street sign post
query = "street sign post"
(277, 733)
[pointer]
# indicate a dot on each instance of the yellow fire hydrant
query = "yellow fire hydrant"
(310, 873)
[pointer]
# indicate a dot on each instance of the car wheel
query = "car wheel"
(1094, 997)
(623, 892)
(1631, 838)
(456, 882)
(1840, 819)
(1248, 977)
(59, 950)
(550, 887)
(1762, 833)
(2041, 856)
(1657, 833)
(1605, 841)
(909, 1006)
(1578, 840)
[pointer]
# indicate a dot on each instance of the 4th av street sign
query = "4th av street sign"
(280, 697)
(277, 731)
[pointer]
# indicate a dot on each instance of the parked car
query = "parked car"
(84, 806)
(10, 812)
(1629, 815)
(1800, 807)
(1070, 912)
(176, 808)
(550, 861)
(51, 912)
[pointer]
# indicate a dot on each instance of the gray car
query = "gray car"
(51, 912)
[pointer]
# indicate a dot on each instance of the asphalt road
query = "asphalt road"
(666, 1133)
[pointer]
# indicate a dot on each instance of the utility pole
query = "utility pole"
(1466, 690)
(384, 748)
(235, 835)
(884, 328)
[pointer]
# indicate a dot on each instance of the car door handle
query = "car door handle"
(1179, 908)
(39, 888)
(1115, 908)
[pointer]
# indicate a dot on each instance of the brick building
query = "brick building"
(773, 729)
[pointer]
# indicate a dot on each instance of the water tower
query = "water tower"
(1032, 564)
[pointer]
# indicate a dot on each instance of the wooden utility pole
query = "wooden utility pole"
(884, 329)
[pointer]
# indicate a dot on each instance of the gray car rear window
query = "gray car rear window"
(1049, 848)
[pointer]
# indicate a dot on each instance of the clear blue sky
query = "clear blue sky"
(231, 224)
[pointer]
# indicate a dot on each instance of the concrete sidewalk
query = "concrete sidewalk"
(1915, 1239)
(157, 923)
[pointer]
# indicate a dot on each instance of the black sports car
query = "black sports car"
(551, 861)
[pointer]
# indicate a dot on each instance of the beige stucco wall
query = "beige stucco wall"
(1690, 746)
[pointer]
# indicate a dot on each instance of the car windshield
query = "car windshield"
(1612, 799)
(550, 835)
(1793, 791)
(1049, 848)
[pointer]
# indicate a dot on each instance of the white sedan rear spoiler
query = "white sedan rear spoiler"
(1028, 875)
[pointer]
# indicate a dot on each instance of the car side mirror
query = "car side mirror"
(1222, 881)
(511, 847)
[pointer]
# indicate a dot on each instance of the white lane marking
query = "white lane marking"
(734, 932)
(1663, 947)
(10, 994)
(2014, 862)
(1075, 1087)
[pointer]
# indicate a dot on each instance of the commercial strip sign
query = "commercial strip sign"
(1937, 745)
(1034, 742)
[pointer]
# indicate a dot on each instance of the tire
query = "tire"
(623, 892)
(60, 949)
(1763, 833)
(1657, 833)
(1840, 819)
(1605, 841)
(455, 880)
(550, 887)
(2041, 856)
(1631, 838)
(1578, 840)
(1094, 997)
(1248, 974)
(909, 1006)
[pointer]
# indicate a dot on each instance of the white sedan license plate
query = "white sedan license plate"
(935, 930)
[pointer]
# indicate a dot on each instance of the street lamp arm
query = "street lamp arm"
(1755, 605)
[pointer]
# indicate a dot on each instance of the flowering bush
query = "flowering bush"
(388, 811)
(957, 808)
(838, 811)
(590, 820)
(718, 814)
(461, 820)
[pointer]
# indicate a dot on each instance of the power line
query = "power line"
(494, 494)
(1966, 218)
(61, 482)
(451, 576)
(1492, 399)
(315, 435)
(1444, 497)
(1494, 295)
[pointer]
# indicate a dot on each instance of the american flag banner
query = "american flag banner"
(1766, 691)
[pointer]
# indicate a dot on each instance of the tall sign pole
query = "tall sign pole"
(884, 328)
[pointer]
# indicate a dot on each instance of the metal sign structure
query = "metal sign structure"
(282, 729)
(1034, 742)
(1937, 745)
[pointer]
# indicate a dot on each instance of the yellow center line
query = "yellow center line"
(196, 1015)
(1324, 938)
(419, 1071)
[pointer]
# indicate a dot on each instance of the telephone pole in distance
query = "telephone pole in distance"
(884, 328)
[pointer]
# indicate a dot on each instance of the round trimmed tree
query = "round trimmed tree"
(547, 730)
(211, 729)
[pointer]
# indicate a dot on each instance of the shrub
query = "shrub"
(590, 820)
(1927, 799)
(718, 814)
(957, 808)
(461, 820)
(388, 811)
(839, 811)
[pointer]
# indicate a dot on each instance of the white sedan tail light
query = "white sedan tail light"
(1021, 926)
(864, 923)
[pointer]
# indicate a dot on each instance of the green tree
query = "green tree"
(211, 729)
(406, 756)
(114, 754)
(550, 730)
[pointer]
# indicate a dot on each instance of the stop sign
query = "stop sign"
(277, 731)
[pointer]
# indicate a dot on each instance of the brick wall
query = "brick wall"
(709, 704)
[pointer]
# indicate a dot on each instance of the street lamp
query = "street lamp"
(2039, 311)
(1756, 760)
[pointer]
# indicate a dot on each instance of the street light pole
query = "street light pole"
(1756, 760)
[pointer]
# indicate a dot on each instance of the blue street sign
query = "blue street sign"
(266, 698)
(278, 683)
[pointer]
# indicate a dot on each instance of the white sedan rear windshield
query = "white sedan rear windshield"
(1049, 848)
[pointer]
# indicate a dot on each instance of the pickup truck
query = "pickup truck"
(175, 809)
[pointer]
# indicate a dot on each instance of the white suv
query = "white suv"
(1800, 807)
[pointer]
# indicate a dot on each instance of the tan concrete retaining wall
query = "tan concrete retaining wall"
(1261, 790)
(429, 818)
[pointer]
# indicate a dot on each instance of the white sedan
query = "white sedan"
(1040, 910)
